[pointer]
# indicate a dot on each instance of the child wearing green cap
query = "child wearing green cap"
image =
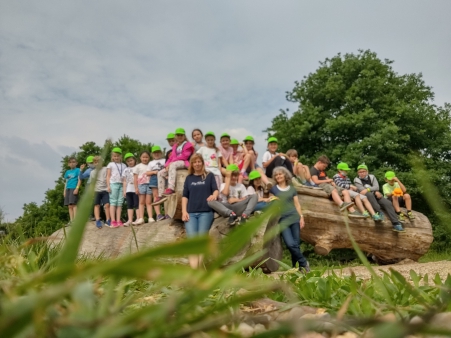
(131, 198)
(255, 187)
(155, 166)
(71, 188)
(141, 182)
(248, 148)
(114, 171)
(101, 197)
(85, 174)
(212, 157)
(396, 193)
(226, 151)
(272, 159)
(171, 141)
(300, 171)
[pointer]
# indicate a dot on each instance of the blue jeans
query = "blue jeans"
(291, 235)
(261, 206)
(199, 223)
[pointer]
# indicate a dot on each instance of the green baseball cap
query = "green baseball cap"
(117, 150)
(128, 155)
(156, 148)
(272, 139)
(210, 133)
(90, 159)
(343, 166)
(233, 167)
(180, 131)
(254, 174)
(249, 138)
(170, 136)
(389, 175)
(225, 135)
(362, 166)
(234, 141)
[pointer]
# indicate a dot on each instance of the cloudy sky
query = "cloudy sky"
(72, 72)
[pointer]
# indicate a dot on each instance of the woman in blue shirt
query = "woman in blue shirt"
(199, 189)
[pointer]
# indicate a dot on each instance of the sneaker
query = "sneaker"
(68, 224)
(114, 224)
(159, 200)
(150, 220)
(346, 205)
(258, 213)
(377, 217)
(366, 214)
(401, 217)
(305, 269)
(382, 216)
(398, 227)
(243, 219)
(139, 221)
(168, 192)
(119, 224)
(108, 223)
(128, 223)
(355, 214)
(160, 217)
(232, 219)
(411, 215)
(167, 217)
(99, 224)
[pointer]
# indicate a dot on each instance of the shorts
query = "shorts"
(70, 198)
(144, 189)
(328, 188)
(401, 201)
(355, 194)
(153, 182)
(132, 200)
(101, 198)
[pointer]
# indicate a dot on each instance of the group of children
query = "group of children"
(147, 183)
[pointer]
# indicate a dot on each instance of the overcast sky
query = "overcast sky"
(72, 72)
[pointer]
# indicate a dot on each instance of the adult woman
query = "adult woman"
(291, 219)
(199, 189)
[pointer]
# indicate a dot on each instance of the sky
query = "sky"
(73, 72)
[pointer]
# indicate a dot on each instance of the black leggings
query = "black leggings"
(279, 162)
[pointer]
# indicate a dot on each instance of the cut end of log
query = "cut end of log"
(321, 250)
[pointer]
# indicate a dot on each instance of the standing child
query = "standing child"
(114, 186)
(212, 157)
(72, 177)
(197, 136)
(396, 193)
(141, 182)
(272, 159)
(153, 168)
(101, 194)
(131, 198)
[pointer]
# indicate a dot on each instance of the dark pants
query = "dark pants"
(279, 162)
(383, 203)
(246, 206)
(291, 236)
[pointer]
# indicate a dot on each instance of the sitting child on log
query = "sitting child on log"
(256, 188)
(300, 171)
(396, 193)
(272, 159)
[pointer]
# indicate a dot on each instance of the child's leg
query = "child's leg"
(408, 201)
(172, 173)
(107, 210)
(161, 176)
(97, 212)
(246, 162)
(130, 215)
(368, 206)
(71, 212)
(113, 213)
(306, 172)
(149, 206)
(395, 202)
(358, 203)
(120, 201)
(142, 204)
(336, 197)
(264, 177)
(156, 207)
(74, 208)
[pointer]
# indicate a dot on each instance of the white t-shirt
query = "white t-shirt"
(156, 165)
(236, 191)
(212, 159)
(266, 157)
(140, 170)
(128, 176)
(116, 171)
(251, 191)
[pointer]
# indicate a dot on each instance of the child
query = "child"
(131, 198)
(101, 194)
(395, 192)
(272, 159)
(301, 172)
(234, 199)
(319, 177)
(249, 149)
(86, 174)
(114, 171)
(226, 151)
(342, 180)
(212, 157)
(255, 187)
(153, 168)
(141, 182)
(291, 219)
(71, 187)
(197, 136)
(171, 141)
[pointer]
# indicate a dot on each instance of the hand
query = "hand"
(211, 198)
(83, 166)
(302, 223)
(64, 193)
(185, 216)
(396, 179)
(353, 188)
(124, 194)
(363, 192)
(108, 189)
(76, 191)
(378, 194)
(137, 191)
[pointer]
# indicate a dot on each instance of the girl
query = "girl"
(131, 198)
(249, 149)
(291, 219)
(141, 182)
(240, 159)
(181, 152)
(152, 170)
(301, 172)
(212, 157)
(199, 189)
(197, 139)
(255, 187)
(114, 171)
(272, 158)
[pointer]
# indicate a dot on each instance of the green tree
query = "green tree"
(355, 108)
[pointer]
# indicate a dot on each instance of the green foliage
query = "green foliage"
(355, 108)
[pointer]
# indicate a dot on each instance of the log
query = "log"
(174, 201)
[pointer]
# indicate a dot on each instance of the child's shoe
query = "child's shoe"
(411, 215)
(139, 221)
(366, 214)
(150, 220)
(346, 205)
(167, 217)
(119, 224)
(108, 223)
(398, 227)
(232, 219)
(128, 223)
(355, 214)
(168, 192)
(99, 224)
(401, 217)
(382, 216)
(68, 224)
(258, 213)
(114, 224)
(243, 219)
(377, 217)
(160, 217)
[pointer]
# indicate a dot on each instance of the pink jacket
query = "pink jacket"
(187, 151)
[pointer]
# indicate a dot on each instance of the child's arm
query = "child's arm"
(135, 183)
(267, 163)
(78, 186)
(403, 188)
(108, 176)
(65, 186)
(245, 151)
(224, 161)
(226, 189)
(297, 205)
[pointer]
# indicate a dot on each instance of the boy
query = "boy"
(234, 199)
(102, 197)
(226, 151)
(301, 172)
(342, 180)
(367, 185)
(86, 174)
(319, 177)
(71, 187)
(395, 192)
